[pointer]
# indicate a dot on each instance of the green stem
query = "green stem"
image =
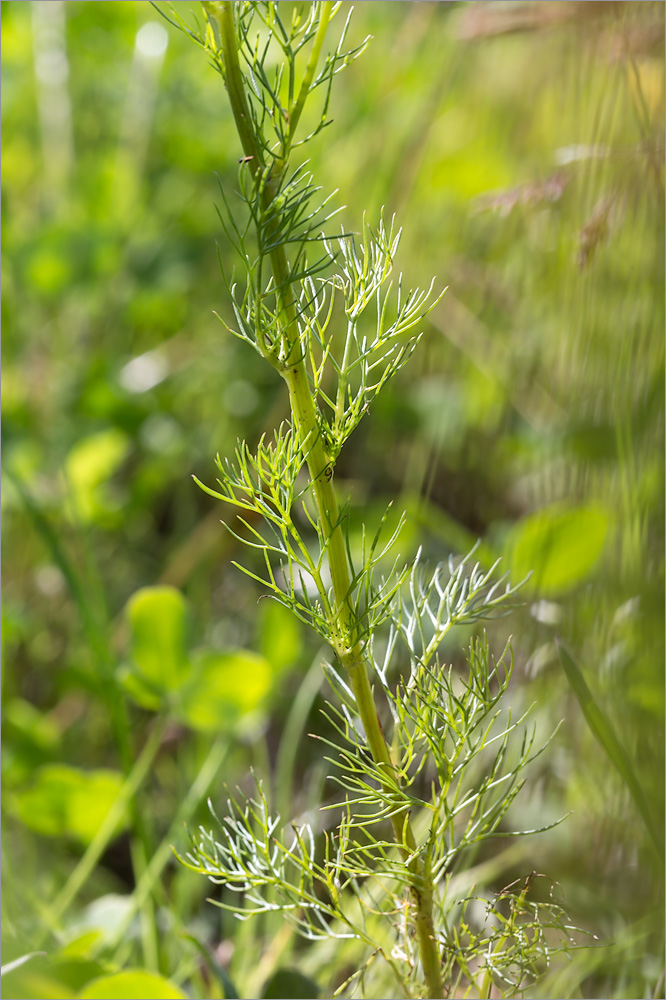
(351, 655)
(296, 109)
(320, 466)
(233, 79)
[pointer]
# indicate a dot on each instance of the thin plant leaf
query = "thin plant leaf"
(18, 962)
(605, 735)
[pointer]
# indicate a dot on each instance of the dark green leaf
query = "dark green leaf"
(289, 984)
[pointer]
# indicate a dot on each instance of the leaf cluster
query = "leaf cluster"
(440, 775)
(269, 486)
(284, 306)
(507, 942)
(459, 762)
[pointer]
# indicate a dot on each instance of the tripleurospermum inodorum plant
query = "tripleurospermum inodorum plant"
(428, 758)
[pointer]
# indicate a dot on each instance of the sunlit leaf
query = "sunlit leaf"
(143, 693)
(30, 725)
(559, 546)
(49, 270)
(281, 641)
(64, 801)
(74, 972)
(225, 688)
(158, 637)
(90, 463)
(134, 984)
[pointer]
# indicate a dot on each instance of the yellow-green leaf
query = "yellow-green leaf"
(90, 463)
(281, 641)
(226, 688)
(559, 546)
(158, 623)
(63, 801)
(133, 984)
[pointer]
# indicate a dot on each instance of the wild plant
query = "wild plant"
(428, 758)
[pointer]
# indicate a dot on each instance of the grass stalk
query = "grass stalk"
(164, 852)
(97, 635)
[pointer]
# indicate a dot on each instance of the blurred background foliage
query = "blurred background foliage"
(521, 145)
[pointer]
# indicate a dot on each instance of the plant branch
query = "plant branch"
(347, 644)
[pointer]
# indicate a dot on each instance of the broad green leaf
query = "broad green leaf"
(139, 690)
(158, 637)
(290, 984)
(559, 546)
(225, 688)
(134, 984)
(89, 464)
(281, 641)
(66, 802)
(83, 946)
(75, 973)
(603, 732)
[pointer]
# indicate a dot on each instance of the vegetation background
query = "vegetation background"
(521, 145)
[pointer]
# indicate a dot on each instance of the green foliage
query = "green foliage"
(280, 637)
(442, 726)
(89, 464)
(524, 155)
(605, 735)
(134, 984)
(63, 801)
(559, 547)
(290, 983)
(225, 689)
(157, 618)
(207, 689)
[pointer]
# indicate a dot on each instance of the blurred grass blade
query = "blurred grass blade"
(53, 545)
(294, 728)
(105, 833)
(164, 853)
(229, 990)
(93, 617)
(603, 732)
(18, 962)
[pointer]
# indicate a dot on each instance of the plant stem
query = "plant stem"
(296, 109)
(320, 466)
